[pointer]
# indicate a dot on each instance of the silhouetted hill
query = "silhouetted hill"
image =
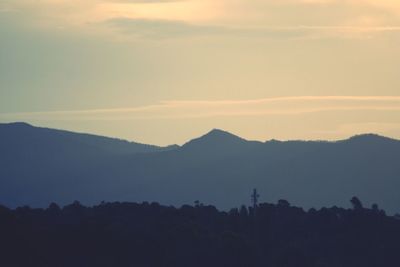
(217, 168)
(215, 139)
(15, 136)
(218, 142)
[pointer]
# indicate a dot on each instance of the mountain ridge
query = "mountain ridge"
(40, 166)
(214, 133)
(97, 139)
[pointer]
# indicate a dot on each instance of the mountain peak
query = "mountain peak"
(216, 137)
(219, 133)
(369, 137)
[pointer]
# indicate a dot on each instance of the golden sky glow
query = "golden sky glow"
(258, 13)
(289, 69)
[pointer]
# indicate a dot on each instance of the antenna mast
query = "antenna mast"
(254, 199)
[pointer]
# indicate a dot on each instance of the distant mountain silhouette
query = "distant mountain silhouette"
(43, 165)
(219, 142)
(29, 137)
(217, 138)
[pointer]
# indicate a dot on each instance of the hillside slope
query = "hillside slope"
(217, 168)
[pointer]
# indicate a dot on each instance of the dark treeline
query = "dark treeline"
(146, 235)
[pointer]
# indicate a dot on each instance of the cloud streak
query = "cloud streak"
(161, 29)
(143, 1)
(279, 106)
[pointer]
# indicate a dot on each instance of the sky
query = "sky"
(166, 71)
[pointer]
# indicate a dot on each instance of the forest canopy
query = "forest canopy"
(149, 234)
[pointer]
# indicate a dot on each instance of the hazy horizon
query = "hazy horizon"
(204, 134)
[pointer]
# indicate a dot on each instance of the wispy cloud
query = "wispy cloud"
(180, 18)
(163, 28)
(160, 29)
(223, 108)
(143, 1)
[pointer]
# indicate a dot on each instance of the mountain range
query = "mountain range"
(41, 165)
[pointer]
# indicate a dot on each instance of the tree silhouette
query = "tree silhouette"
(283, 203)
(375, 208)
(357, 205)
(132, 234)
